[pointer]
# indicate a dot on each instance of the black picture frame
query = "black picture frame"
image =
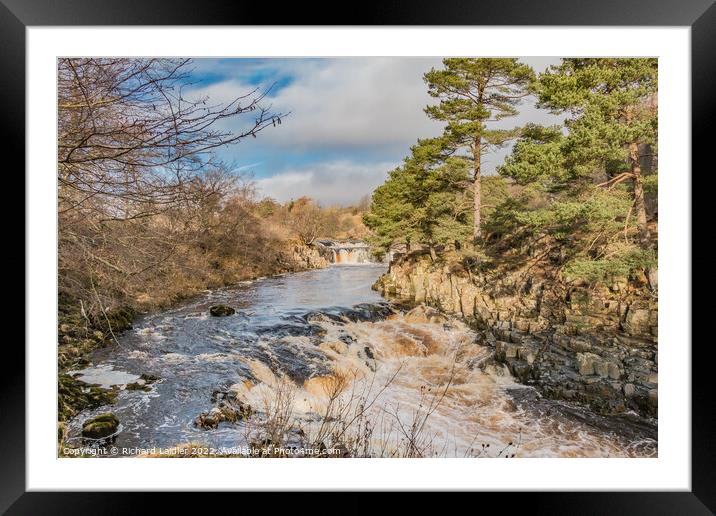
(700, 15)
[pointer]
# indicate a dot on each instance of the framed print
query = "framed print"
(374, 255)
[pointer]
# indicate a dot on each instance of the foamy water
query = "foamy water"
(410, 383)
(414, 365)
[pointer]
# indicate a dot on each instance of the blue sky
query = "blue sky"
(351, 120)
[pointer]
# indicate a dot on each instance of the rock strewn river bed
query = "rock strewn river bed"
(310, 328)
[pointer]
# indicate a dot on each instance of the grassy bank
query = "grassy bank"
(80, 331)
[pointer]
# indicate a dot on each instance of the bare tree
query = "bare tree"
(137, 169)
(309, 221)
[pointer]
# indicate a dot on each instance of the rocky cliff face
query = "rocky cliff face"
(305, 257)
(595, 346)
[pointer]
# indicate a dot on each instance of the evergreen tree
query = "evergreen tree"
(587, 225)
(390, 210)
(425, 200)
(473, 92)
(611, 103)
(538, 156)
(564, 194)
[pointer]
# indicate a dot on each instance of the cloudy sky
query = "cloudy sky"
(351, 120)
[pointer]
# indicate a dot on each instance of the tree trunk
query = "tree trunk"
(477, 190)
(639, 205)
(433, 254)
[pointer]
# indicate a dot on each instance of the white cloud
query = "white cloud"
(358, 102)
(369, 109)
(335, 182)
(352, 102)
(346, 102)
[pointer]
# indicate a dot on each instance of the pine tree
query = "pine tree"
(473, 92)
(390, 210)
(425, 200)
(561, 173)
(538, 156)
(611, 103)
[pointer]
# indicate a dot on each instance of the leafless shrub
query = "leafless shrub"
(309, 221)
(147, 213)
(417, 442)
(278, 409)
(355, 423)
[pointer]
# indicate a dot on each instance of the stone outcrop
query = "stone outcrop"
(221, 310)
(229, 408)
(100, 427)
(307, 257)
(595, 346)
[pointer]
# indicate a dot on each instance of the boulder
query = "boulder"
(586, 363)
(521, 324)
(424, 314)
(629, 390)
(578, 344)
(505, 350)
(139, 385)
(637, 322)
(520, 369)
(601, 368)
(148, 378)
(229, 409)
(614, 372)
(221, 310)
(101, 426)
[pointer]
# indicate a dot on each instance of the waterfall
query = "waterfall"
(348, 252)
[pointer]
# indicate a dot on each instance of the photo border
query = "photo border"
(16, 15)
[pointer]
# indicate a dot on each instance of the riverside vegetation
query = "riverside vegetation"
(555, 257)
(550, 264)
(148, 215)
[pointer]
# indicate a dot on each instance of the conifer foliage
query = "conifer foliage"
(584, 189)
(473, 92)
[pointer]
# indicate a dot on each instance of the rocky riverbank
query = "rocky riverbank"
(596, 346)
(78, 336)
(316, 361)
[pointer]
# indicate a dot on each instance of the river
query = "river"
(408, 382)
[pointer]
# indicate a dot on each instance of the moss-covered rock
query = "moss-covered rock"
(101, 426)
(79, 335)
(116, 321)
(74, 396)
(221, 310)
(148, 378)
(138, 386)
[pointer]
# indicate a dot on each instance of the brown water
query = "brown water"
(326, 332)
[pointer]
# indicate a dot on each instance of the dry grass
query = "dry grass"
(355, 422)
